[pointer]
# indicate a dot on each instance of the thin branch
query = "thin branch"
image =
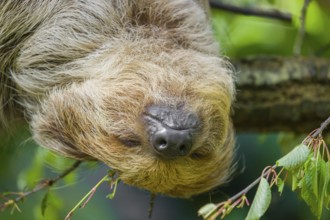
(151, 204)
(254, 183)
(43, 184)
(82, 203)
(301, 34)
(320, 130)
(274, 14)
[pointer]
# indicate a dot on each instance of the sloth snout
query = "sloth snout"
(171, 131)
(170, 143)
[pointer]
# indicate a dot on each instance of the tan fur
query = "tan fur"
(85, 72)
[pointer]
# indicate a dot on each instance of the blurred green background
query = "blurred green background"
(22, 163)
(242, 36)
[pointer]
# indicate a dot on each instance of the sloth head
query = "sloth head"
(161, 121)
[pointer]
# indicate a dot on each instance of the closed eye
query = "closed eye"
(200, 154)
(131, 141)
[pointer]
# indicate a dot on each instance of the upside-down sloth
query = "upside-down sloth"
(136, 84)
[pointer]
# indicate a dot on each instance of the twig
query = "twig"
(254, 183)
(274, 14)
(301, 34)
(43, 184)
(320, 130)
(82, 203)
(151, 204)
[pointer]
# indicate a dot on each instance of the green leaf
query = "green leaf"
(327, 186)
(280, 185)
(315, 185)
(44, 204)
(295, 181)
(53, 207)
(322, 185)
(261, 201)
(294, 158)
(308, 187)
(207, 210)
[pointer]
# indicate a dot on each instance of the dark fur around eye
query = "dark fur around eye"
(199, 154)
(130, 142)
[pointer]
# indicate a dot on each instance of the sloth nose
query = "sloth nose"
(172, 130)
(171, 143)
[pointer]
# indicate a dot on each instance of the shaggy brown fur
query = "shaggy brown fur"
(84, 72)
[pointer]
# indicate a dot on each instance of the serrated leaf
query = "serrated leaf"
(307, 191)
(295, 158)
(323, 185)
(327, 191)
(315, 184)
(44, 204)
(207, 210)
(261, 201)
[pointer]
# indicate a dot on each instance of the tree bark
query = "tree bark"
(282, 94)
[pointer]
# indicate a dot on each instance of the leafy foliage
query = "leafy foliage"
(310, 172)
(309, 167)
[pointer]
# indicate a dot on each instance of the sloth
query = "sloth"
(136, 84)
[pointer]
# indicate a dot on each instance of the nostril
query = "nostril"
(160, 144)
(159, 141)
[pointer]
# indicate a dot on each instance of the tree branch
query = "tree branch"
(274, 14)
(281, 93)
(251, 185)
(320, 129)
(301, 34)
(43, 184)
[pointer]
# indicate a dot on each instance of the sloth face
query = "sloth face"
(163, 123)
